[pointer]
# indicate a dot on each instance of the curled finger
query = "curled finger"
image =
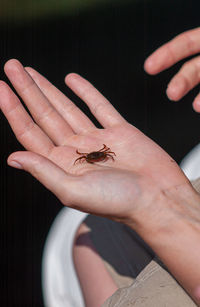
(196, 103)
(185, 80)
(180, 47)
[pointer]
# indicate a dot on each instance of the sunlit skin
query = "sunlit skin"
(142, 188)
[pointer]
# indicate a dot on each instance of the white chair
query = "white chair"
(59, 281)
(191, 163)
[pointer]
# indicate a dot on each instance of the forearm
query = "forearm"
(174, 234)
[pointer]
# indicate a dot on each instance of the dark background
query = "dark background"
(107, 44)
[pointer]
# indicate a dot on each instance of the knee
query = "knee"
(82, 239)
(82, 235)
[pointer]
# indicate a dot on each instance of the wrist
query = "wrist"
(169, 210)
(172, 230)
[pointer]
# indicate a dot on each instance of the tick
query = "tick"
(96, 156)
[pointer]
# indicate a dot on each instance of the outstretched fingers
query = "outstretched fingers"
(100, 107)
(77, 120)
(44, 114)
(25, 129)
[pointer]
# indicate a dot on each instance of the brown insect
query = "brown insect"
(96, 156)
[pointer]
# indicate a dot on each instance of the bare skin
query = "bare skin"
(189, 75)
(96, 283)
(143, 188)
(180, 47)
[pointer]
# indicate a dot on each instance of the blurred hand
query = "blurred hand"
(118, 189)
(182, 46)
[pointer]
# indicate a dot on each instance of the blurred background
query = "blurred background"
(106, 41)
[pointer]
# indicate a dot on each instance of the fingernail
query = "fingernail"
(15, 164)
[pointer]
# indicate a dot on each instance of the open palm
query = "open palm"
(58, 128)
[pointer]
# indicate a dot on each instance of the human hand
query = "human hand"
(143, 187)
(182, 46)
(116, 189)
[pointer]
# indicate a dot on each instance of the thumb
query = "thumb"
(48, 173)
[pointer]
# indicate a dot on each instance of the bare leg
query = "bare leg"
(96, 282)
